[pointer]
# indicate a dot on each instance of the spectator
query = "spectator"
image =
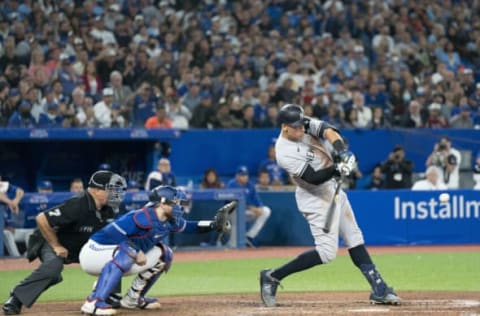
(10, 196)
(413, 117)
(9, 101)
(159, 120)
(398, 170)
(277, 175)
(144, 105)
(122, 94)
(45, 187)
(211, 180)
(272, 116)
(378, 119)
(203, 113)
(364, 113)
(52, 118)
(178, 113)
(448, 160)
(76, 185)
(256, 211)
(463, 119)
(162, 176)
(22, 117)
(106, 114)
(91, 80)
(432, 180)
(377, 179)
(435, 118)
(263, 181)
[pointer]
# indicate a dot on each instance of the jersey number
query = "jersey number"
(55, 212)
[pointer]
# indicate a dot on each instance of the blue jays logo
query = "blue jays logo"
(310, 155)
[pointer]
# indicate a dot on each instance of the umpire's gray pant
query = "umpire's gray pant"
(47, 274)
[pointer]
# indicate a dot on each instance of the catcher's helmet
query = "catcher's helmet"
(291, 114)
(163, 194)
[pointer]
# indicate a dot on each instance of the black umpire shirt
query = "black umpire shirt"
(75, 220)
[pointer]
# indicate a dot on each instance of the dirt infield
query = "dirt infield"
(318, 303)
(325, 303)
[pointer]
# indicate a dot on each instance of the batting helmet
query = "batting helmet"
(163, 194)
(291, 114)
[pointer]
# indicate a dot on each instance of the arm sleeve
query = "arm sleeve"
(194, 227)
(319, 176)
(318, 127)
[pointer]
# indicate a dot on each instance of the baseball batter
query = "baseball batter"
(313, 153)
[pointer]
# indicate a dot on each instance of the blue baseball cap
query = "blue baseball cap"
(242, 170)
(45, 185)
(25, 104)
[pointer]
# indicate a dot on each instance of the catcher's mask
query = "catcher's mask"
(183, 201)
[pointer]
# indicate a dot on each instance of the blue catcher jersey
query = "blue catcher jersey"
(141, 227)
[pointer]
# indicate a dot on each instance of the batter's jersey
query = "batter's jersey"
(75, 220)
(294, 157)
(142, 228)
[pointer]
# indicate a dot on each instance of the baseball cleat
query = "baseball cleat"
(268, 287)
(12, 306)
(388, 298)
(96, 307)
(142, 302)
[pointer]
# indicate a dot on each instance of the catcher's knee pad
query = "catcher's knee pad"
(124, 256)
(166, 257)
(326, 252)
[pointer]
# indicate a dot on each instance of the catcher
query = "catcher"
(132, 244)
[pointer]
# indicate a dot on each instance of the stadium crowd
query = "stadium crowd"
(232, 64)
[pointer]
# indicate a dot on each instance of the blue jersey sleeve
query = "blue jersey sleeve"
(252, 196)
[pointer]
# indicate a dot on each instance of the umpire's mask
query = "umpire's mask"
(116, 188)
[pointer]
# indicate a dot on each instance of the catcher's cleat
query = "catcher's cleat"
(268, 287)
(142, 302)
(12, 306)
(97, 307)
(114, 300)
(388, 298)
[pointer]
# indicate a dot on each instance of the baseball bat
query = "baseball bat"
(332, 207)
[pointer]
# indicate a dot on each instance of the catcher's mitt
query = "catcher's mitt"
(221, 222)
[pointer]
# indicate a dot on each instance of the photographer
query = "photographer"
(397, 170)
(447, 159)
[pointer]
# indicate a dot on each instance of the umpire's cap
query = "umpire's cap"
(291, 114)
(100, 179)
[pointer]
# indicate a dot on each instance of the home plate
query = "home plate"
(370, 310)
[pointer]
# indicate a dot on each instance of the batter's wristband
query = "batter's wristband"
(338, 145)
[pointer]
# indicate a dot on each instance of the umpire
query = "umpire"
(62, 231)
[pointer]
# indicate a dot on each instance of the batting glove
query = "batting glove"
(347, 163)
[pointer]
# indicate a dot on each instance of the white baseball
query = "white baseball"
(444, 197)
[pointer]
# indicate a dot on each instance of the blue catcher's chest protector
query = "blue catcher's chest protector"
(141, 227)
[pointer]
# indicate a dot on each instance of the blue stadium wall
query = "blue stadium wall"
(29, 156)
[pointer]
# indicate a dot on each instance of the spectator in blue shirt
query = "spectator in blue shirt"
(22, 117)
(278, 176)
(256, 211)
(52, 118)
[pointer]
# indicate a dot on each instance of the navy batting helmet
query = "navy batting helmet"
(291, 114)
(163, 194)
